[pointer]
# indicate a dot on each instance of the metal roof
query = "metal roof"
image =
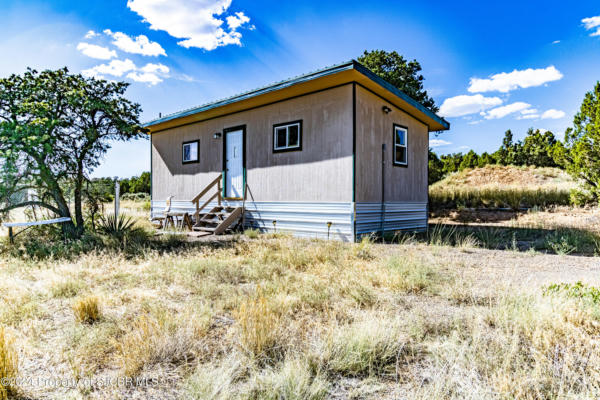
(349, 65)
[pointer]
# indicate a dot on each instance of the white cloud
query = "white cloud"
(116, 68)
(501, 112)
(464, 104)
(553, 114)
(198, 22)
(136, 45)
(94, 51)
(556, 42)
(591, 24)
(506, 81)
(529, 111)
(155, 69)
(237, 20)
(91, 34)
(438, 143)
(529, 116)
(145, 77)
(151, 74)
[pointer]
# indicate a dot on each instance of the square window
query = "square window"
(287, 137)
(190, 152)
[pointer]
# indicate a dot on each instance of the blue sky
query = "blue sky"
(492, 66)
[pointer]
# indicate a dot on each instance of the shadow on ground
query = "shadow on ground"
(555, 241)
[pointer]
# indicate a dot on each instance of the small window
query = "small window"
(190, 152)
(287, 137)
(400, 146)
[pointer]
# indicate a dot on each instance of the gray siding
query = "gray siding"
(320, 172)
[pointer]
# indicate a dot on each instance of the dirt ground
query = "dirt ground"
(559, 217)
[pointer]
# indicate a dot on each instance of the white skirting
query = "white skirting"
(308, 219)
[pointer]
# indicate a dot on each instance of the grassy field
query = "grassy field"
(487, 305)
(273, 317)
(495, 186)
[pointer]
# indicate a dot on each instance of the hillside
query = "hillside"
(496, 186)
(509, 176)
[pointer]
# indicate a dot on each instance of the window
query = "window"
(287, 136)
(190, 152)
(400, 146)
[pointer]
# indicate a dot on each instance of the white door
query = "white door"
(234, 164)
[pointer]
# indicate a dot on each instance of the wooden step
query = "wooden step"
(236, 213)
(218, 220)
(204, 229)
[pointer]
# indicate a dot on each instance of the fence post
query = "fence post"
(117, 195)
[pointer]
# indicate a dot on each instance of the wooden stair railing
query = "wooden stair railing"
(218, 195)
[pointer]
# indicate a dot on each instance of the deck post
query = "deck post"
(219, 191)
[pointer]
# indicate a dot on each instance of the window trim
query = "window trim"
(197, 160)
(405, 129)
(286, 124)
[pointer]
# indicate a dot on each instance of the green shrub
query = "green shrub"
(136, 196)
(251, 233)
(580, 198)
(577, 290)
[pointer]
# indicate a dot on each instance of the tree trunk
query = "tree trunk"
(69, 229)
(77, 201)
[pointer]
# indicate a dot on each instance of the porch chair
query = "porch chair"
(160, 222)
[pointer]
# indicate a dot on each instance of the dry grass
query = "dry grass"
(495, 186)
(258, 326)
(152, 342)
(510, 176)
(9, 365)
(87, 309)
(284, 318)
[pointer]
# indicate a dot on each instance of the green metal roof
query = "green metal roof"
(352, 64)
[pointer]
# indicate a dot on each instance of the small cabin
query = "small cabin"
(337, 153)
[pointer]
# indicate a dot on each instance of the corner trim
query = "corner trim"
(354, 158)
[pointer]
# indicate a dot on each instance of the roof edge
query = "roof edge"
(382, 82)
(352, 64)
(262, 90)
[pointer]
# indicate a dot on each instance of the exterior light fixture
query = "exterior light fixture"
(217, 135)
(386, 109)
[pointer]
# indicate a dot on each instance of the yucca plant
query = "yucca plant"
(116, 227)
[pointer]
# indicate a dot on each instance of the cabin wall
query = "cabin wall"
(406, 190)
(320, 172)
